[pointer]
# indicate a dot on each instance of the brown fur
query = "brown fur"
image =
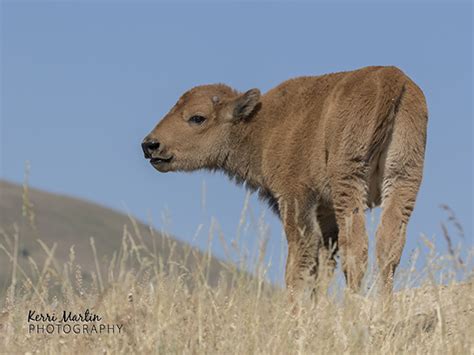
(321, 150)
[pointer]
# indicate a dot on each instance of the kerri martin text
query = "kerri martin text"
(70, 323)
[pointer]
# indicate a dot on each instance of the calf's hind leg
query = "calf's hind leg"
(391, 232)
(403, 169)
(348, 197)
(397, 207)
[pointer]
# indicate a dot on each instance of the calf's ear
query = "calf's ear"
(241, 107)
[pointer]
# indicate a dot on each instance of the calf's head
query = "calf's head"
(196, 131)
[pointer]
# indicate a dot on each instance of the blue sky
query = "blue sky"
(84, 82)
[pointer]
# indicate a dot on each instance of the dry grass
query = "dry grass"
(174, 310)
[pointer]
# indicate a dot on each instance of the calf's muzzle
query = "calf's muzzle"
(149, 146)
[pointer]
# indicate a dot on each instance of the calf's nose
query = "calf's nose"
(149, 146)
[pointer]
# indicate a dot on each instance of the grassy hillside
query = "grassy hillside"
(153, 297)
(155, 312)
(62, 222)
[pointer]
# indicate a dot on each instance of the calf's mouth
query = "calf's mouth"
(161, 160)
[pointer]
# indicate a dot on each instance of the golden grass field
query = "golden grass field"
(175, 310)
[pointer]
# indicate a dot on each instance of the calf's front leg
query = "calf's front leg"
(304, 238)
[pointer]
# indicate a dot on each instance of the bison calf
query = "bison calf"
(320, 150)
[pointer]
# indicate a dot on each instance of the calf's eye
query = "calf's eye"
(197, 119)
